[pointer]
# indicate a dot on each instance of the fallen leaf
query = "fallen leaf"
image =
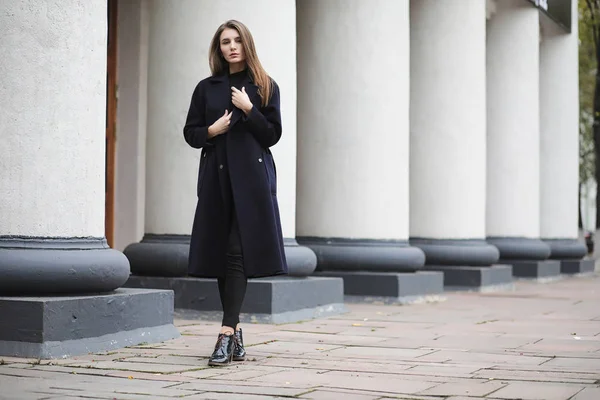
(357, 324)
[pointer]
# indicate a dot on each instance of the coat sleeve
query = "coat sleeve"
(195, 130)
(265, 124)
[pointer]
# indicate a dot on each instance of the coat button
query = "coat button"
(221, 166)
(260, 160)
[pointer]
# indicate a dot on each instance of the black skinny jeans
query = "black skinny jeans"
(232, 288)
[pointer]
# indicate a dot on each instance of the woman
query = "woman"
(234, 117)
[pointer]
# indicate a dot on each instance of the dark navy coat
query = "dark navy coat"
(240, 156)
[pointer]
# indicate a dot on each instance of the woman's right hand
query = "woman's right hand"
(220, 126)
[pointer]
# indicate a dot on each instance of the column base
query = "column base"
(167, 255)
(389, 287)
(542, 270)
(481, 279)
(65, 326)
(268, 300)
(566, 249)
(36, 265)
(336, 254)
(457, 252)
(573, 267)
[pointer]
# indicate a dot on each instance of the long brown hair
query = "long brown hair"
(218, 64)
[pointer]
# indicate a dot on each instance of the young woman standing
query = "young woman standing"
(234, 118)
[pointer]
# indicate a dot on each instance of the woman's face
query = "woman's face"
(231, 46)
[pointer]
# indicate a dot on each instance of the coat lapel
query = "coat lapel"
(222, 95)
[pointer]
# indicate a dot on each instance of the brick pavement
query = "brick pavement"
(538, 342)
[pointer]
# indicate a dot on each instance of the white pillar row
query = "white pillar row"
(179, 39)
(52, 149)
(513, 132)
(559, 136)
(448, 132)
(353, 134)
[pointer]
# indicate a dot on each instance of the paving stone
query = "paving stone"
(242, 372)
(142, 366)
(294, 347)
(167, 360)
(588, 393)
(351, 380)
(331, 365)
(481, 342)
(331, 395)
(207, 385)
(378, 352)
(444, 370)
(458, 356)
(466, 389)
(333, 339)
(579, 364)
(538, 391)
(227, 396)
(539, 376)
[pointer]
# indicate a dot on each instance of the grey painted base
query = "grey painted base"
(58, 327)
(519, 249)
(167, 255)
(50, 266)
(389, 287)
(475, 278)
(566, 249)
(571, 267)
(547, 269)
(339, 254)
(270, 300)
(457, 252)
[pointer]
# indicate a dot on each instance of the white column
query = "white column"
(180, 35)
(52, 149)
(448, 131)
(513, 168)
(353, 133)
(559, 132)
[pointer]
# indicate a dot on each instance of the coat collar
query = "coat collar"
(222, 91)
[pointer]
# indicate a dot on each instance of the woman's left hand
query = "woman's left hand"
(241, 100)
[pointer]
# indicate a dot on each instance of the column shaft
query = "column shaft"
(513, 168)
(353, 140)
(52, 119)
(447, 127)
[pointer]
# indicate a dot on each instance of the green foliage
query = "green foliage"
(589, 26)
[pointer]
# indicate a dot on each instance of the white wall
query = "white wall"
(513, 125)
(180, 34)
(52, 116)
(448, 119)
(132, 75)
(353, 95)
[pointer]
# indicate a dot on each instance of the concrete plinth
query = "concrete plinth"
(389, 287)
(268, 300)
(572, 267)
(547, 269)
(65, 326)
(482, 279)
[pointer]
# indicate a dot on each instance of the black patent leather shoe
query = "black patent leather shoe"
(223, 353)
(239, 353)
